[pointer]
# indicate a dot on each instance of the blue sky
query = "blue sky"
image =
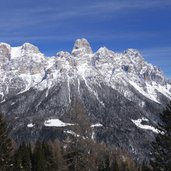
(117, 24)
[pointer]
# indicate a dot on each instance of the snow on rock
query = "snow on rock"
(56, 123)
(72, 133)
(150, 92)
(26, 66)
(30, 80)
(28, 48)
(31, 125)
(163, 90)
(81, 47)
(16, 52)
(93, 135)
(2, 94)
(96, 125)
(12, 103)
(139, 124)
(84, 71)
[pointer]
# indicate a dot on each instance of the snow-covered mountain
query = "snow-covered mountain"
(120, 91)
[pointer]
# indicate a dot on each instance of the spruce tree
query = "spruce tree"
(39, 161)
(5, 147)
(42, 157)
(57, 160)
(22, 158)
(162, 146)
(79, 146)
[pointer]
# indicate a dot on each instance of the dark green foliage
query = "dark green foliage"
(58, 162)
(79, 147)
(5, 147)
(162, 147)
(22, 158)
(86, 156)
(42, 157)
(114, 159)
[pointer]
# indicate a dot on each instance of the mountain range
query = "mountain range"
(121, 94)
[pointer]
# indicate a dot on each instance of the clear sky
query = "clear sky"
(53, 25)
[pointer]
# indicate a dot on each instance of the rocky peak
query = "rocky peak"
(135, 57)
(103, 51)
(28, 48)
(5, 51)
(132, 53)
(81, 47)
(62, 54)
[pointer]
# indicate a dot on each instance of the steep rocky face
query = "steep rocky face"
(5, 53)
(81, 47)
(119, 91)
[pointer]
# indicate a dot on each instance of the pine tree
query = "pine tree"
(5, 147)
(162, 146)
(22, 158)
(39, 161)
(58, 163)
(79, 147)
(42, 157)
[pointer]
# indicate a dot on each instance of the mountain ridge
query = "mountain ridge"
(119, 91)
(127, 61)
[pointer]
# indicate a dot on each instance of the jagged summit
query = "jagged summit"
(62, 54)
(4, 44)
(17, 52)
(4, 52)
(105, 52)
(133, 52)
(30, 48)
(81, 47)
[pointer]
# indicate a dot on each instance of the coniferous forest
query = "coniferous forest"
(82, 154)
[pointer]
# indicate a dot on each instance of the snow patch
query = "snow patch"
(139, 124)
(28, 78)
(12, 103)
(93, 135)
(69, 91)
(81, 72)
(150, 94)
(78, 81)
(96, 125)
(31, 125)
(163, 90)
(2, 94)
(56, 123)
(16, 52)
(31, 81)
(72, 133)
